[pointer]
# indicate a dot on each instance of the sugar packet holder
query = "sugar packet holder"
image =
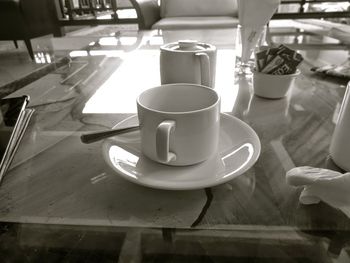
(279, 60)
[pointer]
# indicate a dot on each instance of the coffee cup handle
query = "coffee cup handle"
(163, 140)
(205, 68)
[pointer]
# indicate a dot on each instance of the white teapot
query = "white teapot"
(188, 61)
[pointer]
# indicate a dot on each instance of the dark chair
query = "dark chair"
(26, 19)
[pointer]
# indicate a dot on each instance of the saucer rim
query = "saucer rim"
(257, 150)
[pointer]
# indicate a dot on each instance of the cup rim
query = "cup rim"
(297, 72)
(217, 101)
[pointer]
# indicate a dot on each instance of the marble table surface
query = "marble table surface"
(56, 181)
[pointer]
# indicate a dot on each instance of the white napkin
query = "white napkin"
(253, 15)
(319, 184)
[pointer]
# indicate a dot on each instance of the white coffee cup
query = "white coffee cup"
(188, 61)
(179, 123)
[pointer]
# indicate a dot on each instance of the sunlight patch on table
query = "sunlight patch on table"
(138, 72)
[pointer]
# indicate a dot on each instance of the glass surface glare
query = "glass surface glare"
(134, 76)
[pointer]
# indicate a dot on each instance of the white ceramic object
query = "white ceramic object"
(273, 86)
(239, 148)
(188, 61)
(340, 146)
(179, 123)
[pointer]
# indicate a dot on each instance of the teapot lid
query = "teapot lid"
(187, 45)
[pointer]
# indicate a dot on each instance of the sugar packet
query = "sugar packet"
(279, 60)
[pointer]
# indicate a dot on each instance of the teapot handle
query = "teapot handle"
(205, 68)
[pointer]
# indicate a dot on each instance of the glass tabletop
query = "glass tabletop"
(60, 194)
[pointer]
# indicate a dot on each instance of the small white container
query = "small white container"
(188, 61)
(273, 86)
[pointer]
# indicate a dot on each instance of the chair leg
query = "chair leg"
(29, 47)
(16, 44)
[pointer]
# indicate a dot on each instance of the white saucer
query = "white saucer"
(239, 148)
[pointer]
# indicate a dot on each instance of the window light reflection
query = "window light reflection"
(108, 53)
(127, 13)
(120, 158)
(225, 79)
(108, 16)
(138, 72)
(108, 41)
(128, 41)
(113, 41)
(48, 58)
(156, 41)
(42, 58)
(78, 53)
(248, 147)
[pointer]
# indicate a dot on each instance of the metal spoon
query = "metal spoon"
(97, 136)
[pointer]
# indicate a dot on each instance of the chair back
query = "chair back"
(178, 8)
